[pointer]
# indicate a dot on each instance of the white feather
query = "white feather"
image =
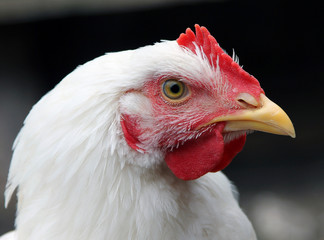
(78, 179)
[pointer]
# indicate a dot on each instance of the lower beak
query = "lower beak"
(268, 118)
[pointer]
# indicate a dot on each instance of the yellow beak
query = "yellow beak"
(268, 118)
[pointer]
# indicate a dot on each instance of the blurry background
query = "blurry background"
(280, 179)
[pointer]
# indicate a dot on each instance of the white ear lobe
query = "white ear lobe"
(135, 103)
(137, 114)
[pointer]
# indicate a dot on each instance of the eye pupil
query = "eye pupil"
(175, 88)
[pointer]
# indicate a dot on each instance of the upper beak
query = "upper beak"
(269, 117)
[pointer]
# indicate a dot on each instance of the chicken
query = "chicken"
(130, 146)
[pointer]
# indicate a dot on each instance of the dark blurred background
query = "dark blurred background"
(280, 179)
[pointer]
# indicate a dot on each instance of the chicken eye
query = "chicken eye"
(174, 89)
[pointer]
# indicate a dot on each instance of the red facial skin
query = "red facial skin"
(191, 153)
(187, 157)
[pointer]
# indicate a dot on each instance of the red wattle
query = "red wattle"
(197, 156)
(231, 149)
(206, 154)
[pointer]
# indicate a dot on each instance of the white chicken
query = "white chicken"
(130, 146)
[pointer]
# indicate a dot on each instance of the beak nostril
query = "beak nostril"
(246, 100)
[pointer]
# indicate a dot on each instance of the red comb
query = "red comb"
(208, 44)
(202, 39)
